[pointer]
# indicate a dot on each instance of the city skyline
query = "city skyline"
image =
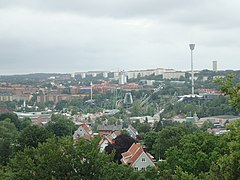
(58, 36)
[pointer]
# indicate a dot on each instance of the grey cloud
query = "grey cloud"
(68, 36)
(116, 8)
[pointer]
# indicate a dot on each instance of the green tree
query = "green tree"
(196, 152)
(25, 122)
(180, 175)
(33, 135)
(121, 144)
(232, 89)
(136, 109)
(149, 140)
(61, 126)
(168, 138)
(228, 165)
(144, 128)
(60, 105)
(61, 159)
(13, 118)
(8, 136)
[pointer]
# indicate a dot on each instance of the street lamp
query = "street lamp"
(192, 46)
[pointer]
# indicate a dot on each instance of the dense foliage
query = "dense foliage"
(182, 151)
(188, 153)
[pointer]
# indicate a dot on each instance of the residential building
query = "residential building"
(22, 97)
(159, 71)
(137, 158)
(132, 132)
(108, 129)
(217, 131)
(133, 74)
(214, 66)
(105, 141)
(6, 97)
(83, 131)
(218, 121)
(122, 78)
(105, 74)
(115, 134)
(41, 119)
(173, 74)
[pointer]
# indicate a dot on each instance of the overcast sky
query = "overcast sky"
(81, 35)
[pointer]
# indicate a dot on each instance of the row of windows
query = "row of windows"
(136, 168)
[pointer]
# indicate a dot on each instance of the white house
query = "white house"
(106, 140)
(83, 131)
(137, 158)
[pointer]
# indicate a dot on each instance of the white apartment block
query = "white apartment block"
(173, 75)
(132, 74)
(159, 71)
(141, 73)
(105, 74)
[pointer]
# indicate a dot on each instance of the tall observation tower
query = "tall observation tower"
(192, 46)
(192, 95)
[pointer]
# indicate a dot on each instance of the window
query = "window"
(143, 160)
(136, 168)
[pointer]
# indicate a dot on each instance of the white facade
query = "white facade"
(116, 75)
(104, 144)
(93, 74)
(214, 66)
(173, 75)
(159, 71)
(143, 162)
(80, 132)
(105, 74)
(132, 74)
(122, 78)
(83, 75)
(147, 72)
(169, 70)
(141, 73)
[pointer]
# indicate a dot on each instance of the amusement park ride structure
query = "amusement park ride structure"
(126, 100)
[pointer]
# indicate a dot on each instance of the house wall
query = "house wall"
(103, 145)
(142, 165)
(131, 133)
(101, 132)
(80, 132)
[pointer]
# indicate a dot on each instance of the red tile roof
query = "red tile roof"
(108, 138)
(133, 148)
(136, 155)
(85, 127)
(4, 110)
(133, 153)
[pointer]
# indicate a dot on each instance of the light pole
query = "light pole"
(192, 46)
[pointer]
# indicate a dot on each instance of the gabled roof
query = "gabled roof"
(133, 153)
(133, 148)
(136, 155)
(85, 127)
(86, 133)
(108, 138)
(132, 129)
(116, 133)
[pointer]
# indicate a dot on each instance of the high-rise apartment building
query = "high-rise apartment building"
(214, 66)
